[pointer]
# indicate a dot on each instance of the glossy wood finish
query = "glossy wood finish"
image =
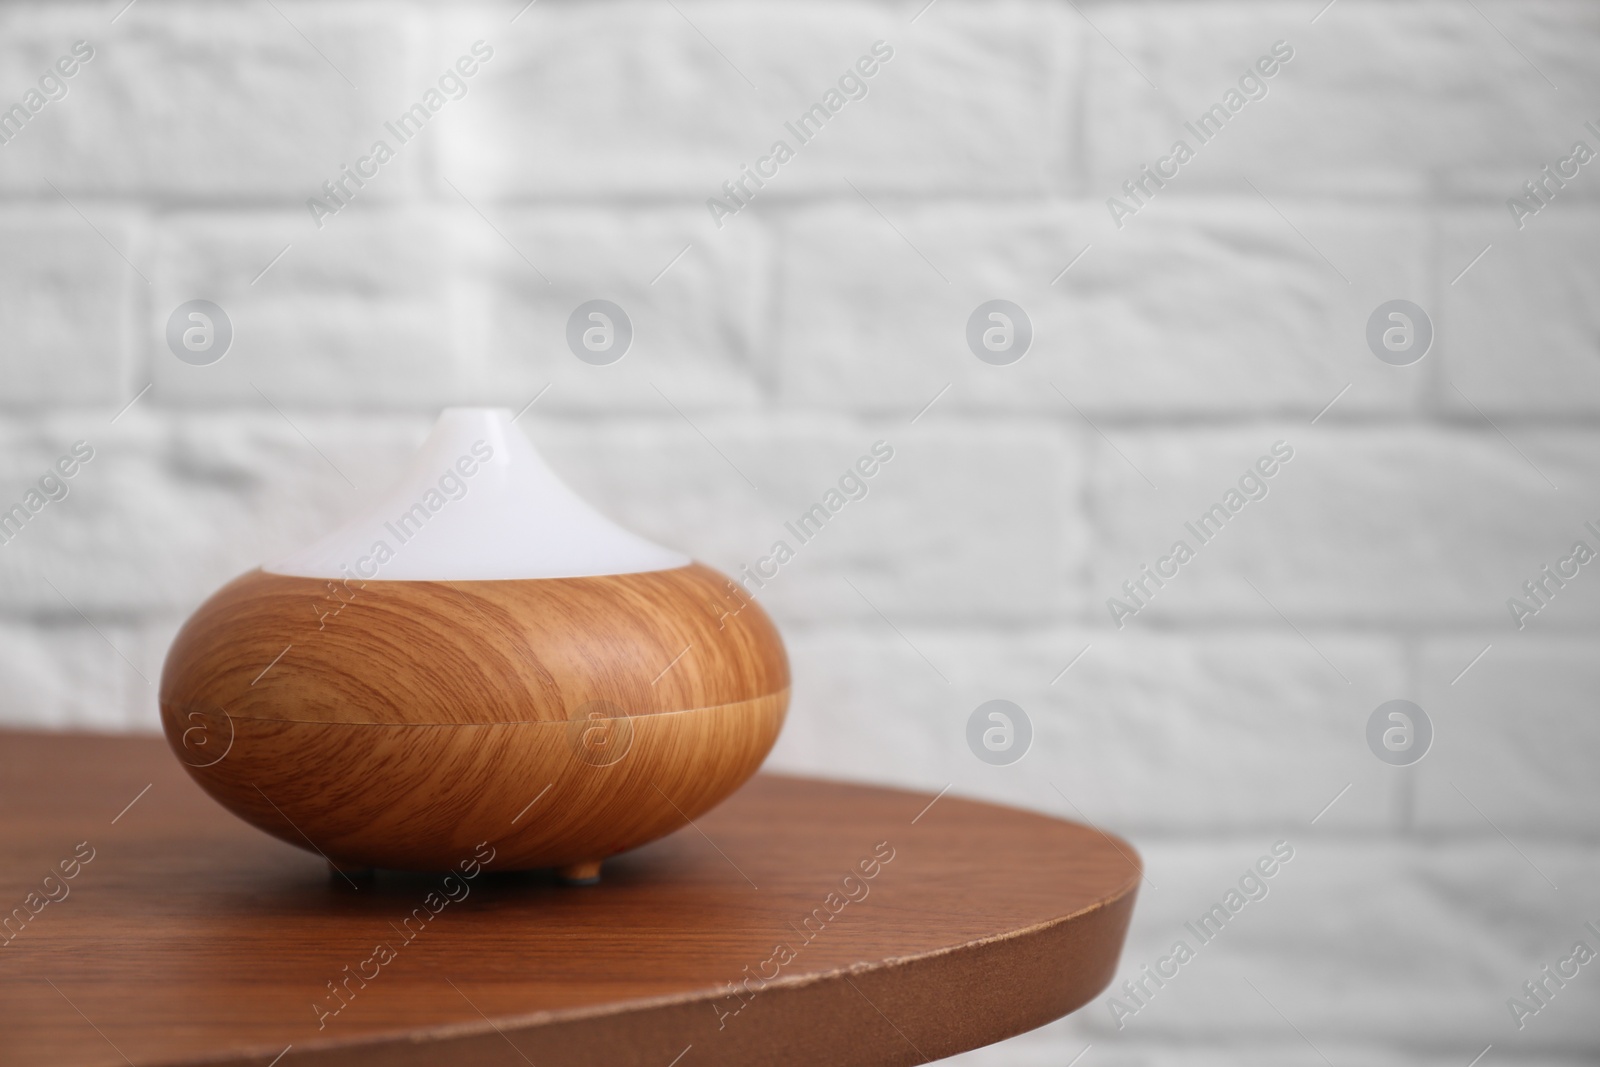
(396, 724)
(191, 939)
(268, 646)
(418, 797)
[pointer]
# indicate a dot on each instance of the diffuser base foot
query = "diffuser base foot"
(354, 872)
(585, 873)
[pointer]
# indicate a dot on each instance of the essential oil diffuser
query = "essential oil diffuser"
(481, 657)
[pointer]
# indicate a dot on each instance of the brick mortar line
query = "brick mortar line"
(172, 202)
(1435, 836)
(1544, 424)
(1266, 625)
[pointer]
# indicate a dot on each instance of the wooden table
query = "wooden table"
(183, 936)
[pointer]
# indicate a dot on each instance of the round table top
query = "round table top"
(800, 922)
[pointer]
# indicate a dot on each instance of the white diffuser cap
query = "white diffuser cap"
(478, 503)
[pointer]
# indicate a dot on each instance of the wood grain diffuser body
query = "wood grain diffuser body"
(481, 657)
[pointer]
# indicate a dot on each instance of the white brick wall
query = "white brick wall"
(1225, 315)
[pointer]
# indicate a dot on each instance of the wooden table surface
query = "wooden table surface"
(142, 924)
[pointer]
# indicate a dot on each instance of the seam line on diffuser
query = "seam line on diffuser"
(508, 722)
